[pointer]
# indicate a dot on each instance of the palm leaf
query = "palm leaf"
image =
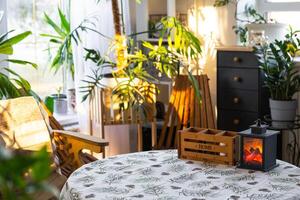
(6, 45)
(54, 26)
(64, 22)
(22, 62)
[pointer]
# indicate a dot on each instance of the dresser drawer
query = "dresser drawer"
(238, 78)
(237, 59)
(235, 120)
(236, 99)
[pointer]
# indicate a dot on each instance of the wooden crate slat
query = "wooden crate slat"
(208, 137)
(204, 156)
(205, 147)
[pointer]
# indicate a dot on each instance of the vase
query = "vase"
(60, 104)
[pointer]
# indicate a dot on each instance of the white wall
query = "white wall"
(214, 28)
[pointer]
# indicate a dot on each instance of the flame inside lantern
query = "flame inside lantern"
(253, 151)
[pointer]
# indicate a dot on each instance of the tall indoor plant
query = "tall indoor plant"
(129, 64)
(63, 59)
(277, 61)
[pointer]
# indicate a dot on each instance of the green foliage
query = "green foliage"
(242, 32)
(61, 42)
(277, 62)
(14, 85)
(21, 174)
(254, 16)
(184, 47)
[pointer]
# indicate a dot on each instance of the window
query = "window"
(28, 15)
(282, 11)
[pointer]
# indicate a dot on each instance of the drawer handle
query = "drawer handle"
(236, 121)
(237, 79)
(237, 59)
(236, 100)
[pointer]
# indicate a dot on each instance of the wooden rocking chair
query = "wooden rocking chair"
(186, 110)
(32, 126)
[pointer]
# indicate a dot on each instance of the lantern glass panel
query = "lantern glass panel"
(253, 151)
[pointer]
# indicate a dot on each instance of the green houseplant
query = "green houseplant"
(128, 63)
(61, 42)
(281, 77)
(11, 83)
(129, 68)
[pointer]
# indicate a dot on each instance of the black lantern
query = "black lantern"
(258, 148)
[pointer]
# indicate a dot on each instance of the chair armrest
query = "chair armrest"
(83, 137)
(76, 142)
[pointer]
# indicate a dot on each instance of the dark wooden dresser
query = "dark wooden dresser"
(241, 97)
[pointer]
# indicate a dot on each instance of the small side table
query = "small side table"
(293, 146)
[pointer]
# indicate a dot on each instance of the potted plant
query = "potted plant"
(60, 102)
(63, 59)
(281, 77)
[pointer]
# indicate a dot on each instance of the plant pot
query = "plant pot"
(60, 105)
(283, 113)
(272, 31)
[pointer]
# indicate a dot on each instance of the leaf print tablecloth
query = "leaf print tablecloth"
(160, 175)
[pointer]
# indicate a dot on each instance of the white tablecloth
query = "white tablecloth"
(160, 175)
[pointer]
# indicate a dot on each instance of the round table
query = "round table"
(160, 175)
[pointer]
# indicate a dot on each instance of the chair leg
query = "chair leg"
(140, 137)
(154, 133)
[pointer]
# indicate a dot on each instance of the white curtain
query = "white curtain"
(89, 9)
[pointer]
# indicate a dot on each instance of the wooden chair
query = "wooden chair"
(33, 126)
(104, 111)
(186, 110)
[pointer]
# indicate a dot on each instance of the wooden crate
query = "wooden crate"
(208, 145)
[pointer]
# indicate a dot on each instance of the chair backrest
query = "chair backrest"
(186, 110)
(21, 120)
(30, 124)
(105, 110)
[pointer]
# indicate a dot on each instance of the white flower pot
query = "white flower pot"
(60, 106)
(283, 113)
